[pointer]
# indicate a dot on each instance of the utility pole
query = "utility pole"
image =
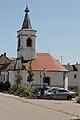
(61, 59)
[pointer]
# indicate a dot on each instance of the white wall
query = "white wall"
(12, 77)
(56, 78)
(25, 51)
(72, 81)
(78, 78)
(24, 78)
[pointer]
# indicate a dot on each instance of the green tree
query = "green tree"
(18, 77)
(30, 74)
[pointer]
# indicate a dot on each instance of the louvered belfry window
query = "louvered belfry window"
(29, 42)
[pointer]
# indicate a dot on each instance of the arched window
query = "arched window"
(29, 42)
(18, 42)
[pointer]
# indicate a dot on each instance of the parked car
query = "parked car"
(59, 93)
(40, 91)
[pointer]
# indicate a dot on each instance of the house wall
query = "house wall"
(72, 81)
(56, 78)
(78, 78)
(24, 78)
(12, 77)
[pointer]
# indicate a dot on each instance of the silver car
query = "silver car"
(59, 93)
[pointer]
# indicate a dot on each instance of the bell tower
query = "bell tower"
(26, 40)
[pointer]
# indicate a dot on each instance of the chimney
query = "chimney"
(5, 54)
(68, 63)
(1, 54)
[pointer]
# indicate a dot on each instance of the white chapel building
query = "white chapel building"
(43, 64)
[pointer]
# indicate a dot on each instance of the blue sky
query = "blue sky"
(57, 23)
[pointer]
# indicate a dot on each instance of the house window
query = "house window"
(29, 42)
(7, 77)
(3, 78)
(74, 76)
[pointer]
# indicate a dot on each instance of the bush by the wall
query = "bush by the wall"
(1, 86)
(78, 99)
(21, 91)
(4, 86)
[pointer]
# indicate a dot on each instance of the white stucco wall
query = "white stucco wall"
(56, 78)
(72, 81)
(12, 77)
(78, 78)
(24, 78)
(25, 51)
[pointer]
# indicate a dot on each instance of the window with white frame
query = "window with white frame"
(74, 76)
(3, 78)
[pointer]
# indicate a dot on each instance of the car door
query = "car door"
(59, 94)
(53, 94)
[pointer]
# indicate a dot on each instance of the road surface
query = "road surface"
(15, 108)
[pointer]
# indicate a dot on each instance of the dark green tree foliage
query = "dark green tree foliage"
(4, 86)
(18, 77)
(30, 74)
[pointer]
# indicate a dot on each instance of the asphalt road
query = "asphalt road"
(15, 108)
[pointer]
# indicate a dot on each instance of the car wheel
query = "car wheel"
(48, 97)
(69, 97)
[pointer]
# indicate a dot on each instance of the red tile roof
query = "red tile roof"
(4, 60)
(6, 63)
(45, 60)
(11, 66)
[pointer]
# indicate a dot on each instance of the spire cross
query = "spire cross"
(26, 10)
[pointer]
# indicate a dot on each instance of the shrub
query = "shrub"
(1, 86)
(76, 92)
(78, 99)
(4, 86)
(21, 91)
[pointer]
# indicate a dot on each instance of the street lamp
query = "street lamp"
(43, 88)
(40, 78)
(44, 75)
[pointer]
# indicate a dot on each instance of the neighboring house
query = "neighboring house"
(6, 65)
(45, 67)
(73, 76)
(78, 76)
